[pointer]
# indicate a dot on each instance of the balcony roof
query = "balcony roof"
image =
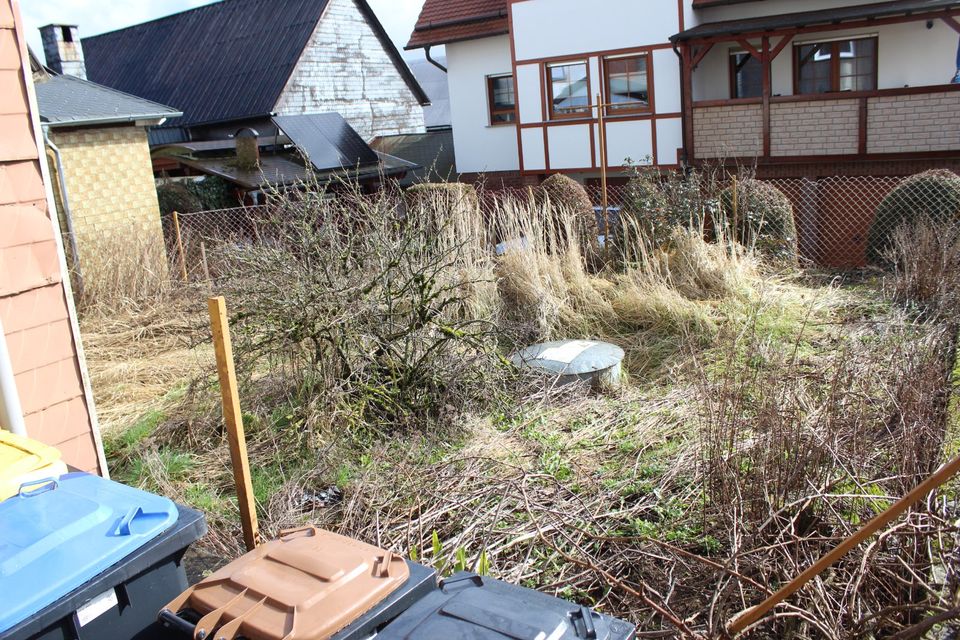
(813, 19)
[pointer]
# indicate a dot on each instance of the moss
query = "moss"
(934, 195)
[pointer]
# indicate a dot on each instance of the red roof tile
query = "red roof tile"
(444, 21)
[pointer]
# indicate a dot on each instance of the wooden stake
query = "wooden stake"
(206, 267)
(734, 229)
(233, 420)
(746, 618)
(183, 258)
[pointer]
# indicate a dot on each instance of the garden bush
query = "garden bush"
(763, 220)
(932, 195)
(567, 197)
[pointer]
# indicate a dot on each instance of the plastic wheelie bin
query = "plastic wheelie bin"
(309, 584)
(24, 460)
(86, 558)
(471, 607)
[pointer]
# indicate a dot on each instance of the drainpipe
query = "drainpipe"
(426, 50)
(67, 213)
(11, 413)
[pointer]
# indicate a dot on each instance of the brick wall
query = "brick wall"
(345, 68)
(729, 131)
(109, 176)
(921, 122)
(820, 127)
(39, 329)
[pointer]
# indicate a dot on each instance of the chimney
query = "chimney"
(248, 148)
(62, 48)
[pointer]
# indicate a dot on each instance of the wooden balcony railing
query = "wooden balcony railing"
(914, 121)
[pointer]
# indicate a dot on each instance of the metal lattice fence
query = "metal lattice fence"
(833, 217)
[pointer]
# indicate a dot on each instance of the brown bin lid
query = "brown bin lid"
(307, 585)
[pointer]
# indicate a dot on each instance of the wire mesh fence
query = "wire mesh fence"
(833, 217)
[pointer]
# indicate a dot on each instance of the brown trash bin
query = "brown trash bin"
(307, 585)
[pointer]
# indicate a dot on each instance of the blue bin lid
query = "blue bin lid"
(57, 535)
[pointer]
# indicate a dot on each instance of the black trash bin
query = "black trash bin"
(468, 606)
(98, 562)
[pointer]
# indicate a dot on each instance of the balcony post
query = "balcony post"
(765, 60)
(686, 93)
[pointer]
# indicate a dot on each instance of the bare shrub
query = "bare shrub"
(925, 257)
(363, 305)
(932, 195)
(793, 460)
(762, 220)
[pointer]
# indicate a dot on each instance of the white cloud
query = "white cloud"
(99, 16)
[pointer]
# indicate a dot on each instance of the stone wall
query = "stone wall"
(111, 189)
(914, 123)
(728, 131)
(814, 128)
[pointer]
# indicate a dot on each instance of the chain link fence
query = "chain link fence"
(833, 216)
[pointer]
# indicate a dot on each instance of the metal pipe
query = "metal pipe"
(67, 213)
(426, 51)
(11, 413)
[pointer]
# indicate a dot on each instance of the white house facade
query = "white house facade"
(787, 86)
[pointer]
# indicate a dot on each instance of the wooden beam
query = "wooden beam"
(862, 131)
(838, 26)
(781, 45)
(951, 22)
(701, 53)
(767, 93)
(743, 42)
(233, 420)
(686, 94)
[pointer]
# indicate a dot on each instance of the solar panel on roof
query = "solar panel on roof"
(327, 140)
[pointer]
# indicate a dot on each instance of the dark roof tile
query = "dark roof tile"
(445, 21)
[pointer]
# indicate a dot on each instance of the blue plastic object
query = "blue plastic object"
(57, 535)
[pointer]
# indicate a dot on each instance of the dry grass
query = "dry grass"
(765, 418)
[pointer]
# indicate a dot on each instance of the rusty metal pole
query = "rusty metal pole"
(603, 176)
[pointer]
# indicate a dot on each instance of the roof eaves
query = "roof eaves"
(88, 122)
(394, 54)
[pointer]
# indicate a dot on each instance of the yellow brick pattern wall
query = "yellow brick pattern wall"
(728, 131)
(814, 128)
(110, 186)
(913, 123)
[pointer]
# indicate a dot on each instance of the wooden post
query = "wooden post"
(233, 420)
(183, 258)
(734, 229)
(603, 175)
(206, 267)
(746, 618)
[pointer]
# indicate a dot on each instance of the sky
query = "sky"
(98, 16)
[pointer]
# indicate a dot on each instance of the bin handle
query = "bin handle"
(124, 527)
(43, 485)
(589, 629)
(290, 533)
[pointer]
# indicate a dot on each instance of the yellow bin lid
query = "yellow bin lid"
(20, 458)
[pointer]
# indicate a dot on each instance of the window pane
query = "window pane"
(857, 65)
(748, 78)
(503, 93)
(846, 65)
(569, 88)
(502, 100)
(814, 62)
(627, 82)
